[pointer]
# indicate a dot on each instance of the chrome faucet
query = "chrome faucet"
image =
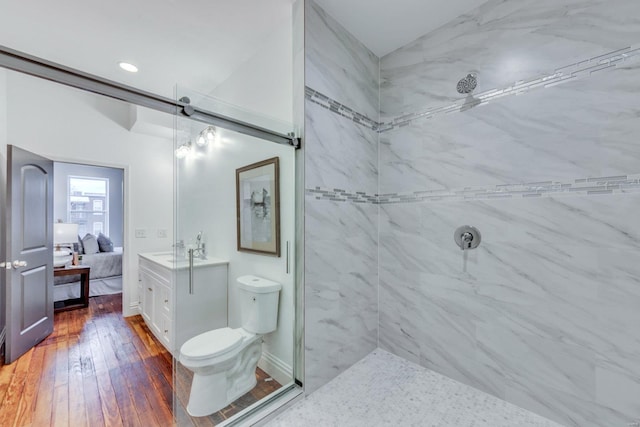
(179, 248)
(200, 250)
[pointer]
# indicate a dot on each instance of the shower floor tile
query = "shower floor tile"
(385, 390)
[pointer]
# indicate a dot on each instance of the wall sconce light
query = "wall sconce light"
(183, 150)
(207, 136)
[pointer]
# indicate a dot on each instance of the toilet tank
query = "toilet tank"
(259, 304)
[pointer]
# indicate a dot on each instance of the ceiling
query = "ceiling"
(383, 25)
(194, 43)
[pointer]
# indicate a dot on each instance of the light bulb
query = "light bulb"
(183, 151)
(211, 133)
(201, 141)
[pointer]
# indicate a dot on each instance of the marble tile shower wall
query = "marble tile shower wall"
(505, 41)
(341, 240)
(545, 313)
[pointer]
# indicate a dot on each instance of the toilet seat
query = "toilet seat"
(211, 344)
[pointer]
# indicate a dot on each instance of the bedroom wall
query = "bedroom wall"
(61, 173)
(66, 124)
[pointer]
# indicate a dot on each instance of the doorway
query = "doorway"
(92, 198)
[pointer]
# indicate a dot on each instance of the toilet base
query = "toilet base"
(212, 392)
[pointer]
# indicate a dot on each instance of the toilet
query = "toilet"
(224, 360)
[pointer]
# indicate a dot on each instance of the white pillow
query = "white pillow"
(90, 244)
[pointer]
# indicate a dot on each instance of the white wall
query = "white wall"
(207, 202)
(66, 124)
(61, 173)
(263, 84)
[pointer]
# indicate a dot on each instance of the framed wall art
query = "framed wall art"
(258, 207)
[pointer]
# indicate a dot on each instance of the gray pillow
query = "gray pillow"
(80, 246)
(90, 244)
(104, 243)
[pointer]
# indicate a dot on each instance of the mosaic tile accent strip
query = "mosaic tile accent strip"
(337, 195)
(607, 185)
(571, 72)
(386, 390)
(338, 108)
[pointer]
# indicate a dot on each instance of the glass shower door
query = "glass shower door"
(233, 287)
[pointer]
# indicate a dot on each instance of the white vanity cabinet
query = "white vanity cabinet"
(172, 309)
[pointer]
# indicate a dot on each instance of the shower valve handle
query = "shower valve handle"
(467, 237)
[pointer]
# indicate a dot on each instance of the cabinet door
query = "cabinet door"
(165, 299)
(158, 306)
(166, 331)
(147, 297)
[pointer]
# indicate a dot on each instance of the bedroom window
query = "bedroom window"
(88, 204)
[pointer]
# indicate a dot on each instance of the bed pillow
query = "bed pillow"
(80, 246)
(90, 244)
(104, 243)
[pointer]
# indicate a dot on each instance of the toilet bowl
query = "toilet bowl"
(224, 360)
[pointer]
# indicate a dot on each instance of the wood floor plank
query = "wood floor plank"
(27, 403)
(77, 413)
(109, 404)
(122, 394)
(61, 406)
(159, 412)
(5, 379)
(60, 410)
(9, 407)
(44, 399)
(124, 399)
(92, 402)
(93, 410)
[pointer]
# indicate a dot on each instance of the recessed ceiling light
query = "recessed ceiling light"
(128, 67)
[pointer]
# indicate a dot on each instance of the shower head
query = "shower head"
(467, 84)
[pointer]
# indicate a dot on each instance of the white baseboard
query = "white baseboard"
(132, 310)
(276, 368)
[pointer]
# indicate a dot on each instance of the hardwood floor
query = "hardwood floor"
(100, 369)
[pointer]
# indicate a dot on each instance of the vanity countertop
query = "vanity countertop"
(168, 260)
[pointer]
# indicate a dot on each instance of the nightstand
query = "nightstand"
(74, 303)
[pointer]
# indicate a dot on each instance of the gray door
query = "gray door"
(29, 249)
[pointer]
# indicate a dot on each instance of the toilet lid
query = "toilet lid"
(211, 343)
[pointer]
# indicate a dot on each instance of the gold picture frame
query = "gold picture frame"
(258, 207)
